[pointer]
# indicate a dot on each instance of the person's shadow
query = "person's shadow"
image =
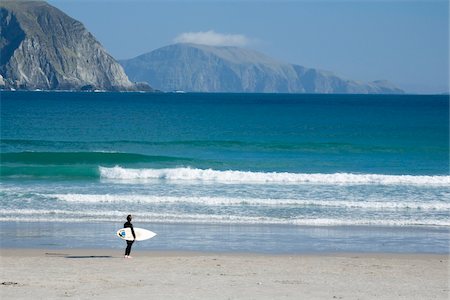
(88, 256)
(77, 256)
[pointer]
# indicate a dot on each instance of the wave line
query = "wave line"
(243, 177)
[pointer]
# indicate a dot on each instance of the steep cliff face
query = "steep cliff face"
(43, 48)
(201, 68)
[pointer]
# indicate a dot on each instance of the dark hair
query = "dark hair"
(129, 218)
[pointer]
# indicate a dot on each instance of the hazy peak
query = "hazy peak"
(204, 68)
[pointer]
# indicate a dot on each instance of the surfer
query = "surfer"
(129, 243)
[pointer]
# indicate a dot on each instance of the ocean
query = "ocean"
(271, 173)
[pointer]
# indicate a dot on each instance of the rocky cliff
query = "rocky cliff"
(43, 48)
(200, 68)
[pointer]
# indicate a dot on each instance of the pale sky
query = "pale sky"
(403, 41)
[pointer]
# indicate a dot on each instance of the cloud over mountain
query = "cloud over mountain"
(212, 38)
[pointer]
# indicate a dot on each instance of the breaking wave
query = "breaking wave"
(244, 177)
(224, 201)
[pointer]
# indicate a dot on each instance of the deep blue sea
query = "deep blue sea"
(233, 172)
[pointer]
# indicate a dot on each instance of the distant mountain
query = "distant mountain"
(43, 48)
(200, 68)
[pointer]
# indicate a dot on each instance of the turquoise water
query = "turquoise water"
(226, 159)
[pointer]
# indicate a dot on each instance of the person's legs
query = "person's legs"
(128, 249)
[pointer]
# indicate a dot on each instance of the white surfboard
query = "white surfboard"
(141, 234)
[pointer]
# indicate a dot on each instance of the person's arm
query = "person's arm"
(132, 231)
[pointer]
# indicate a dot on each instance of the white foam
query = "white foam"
(30, 215)
(224, 201)
(241, 177)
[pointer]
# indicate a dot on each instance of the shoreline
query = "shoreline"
(219, 238)
(105, 274)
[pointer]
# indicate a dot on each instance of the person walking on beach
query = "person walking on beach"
(129, 243)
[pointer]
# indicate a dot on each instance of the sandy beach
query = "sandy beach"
(105, 274)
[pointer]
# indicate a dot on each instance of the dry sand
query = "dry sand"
(105, 274)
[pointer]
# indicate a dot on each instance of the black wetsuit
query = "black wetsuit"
(129, 243)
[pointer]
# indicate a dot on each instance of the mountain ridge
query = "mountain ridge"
(202, 68)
